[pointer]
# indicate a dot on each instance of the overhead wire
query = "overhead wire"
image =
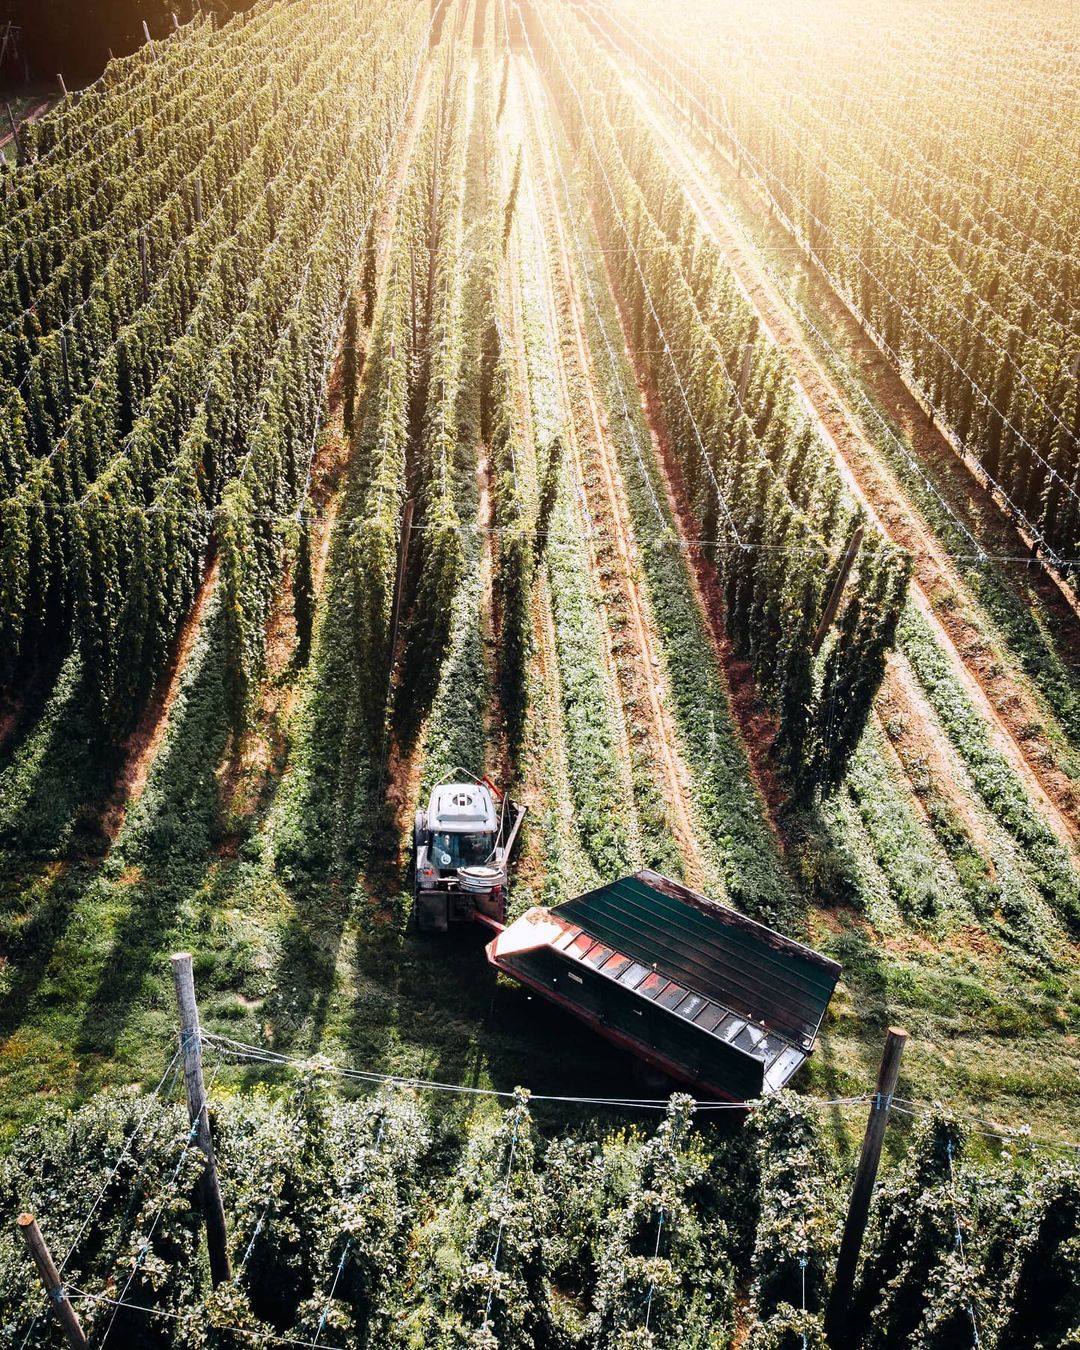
(124, 1153)
(762, 171)
(981, 472)
(721, 497)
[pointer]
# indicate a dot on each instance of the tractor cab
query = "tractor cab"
(463, 841)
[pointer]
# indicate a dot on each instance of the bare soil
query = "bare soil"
(640, 673)
(1002, 697)
(577, 470)
(142, 745)
(756, 724)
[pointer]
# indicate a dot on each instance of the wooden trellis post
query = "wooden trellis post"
(14, 133)
(50, 1277)
(837, 590)
(836, 1315)
(191, 1048)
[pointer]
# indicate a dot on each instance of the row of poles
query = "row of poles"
(213, 1211)
(64, 89)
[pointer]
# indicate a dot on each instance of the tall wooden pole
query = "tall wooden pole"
(14, 132)
(144, 267)
(837, 1326)
(50, 1278)
(64, 363)
(191, 1047)
(63, 86)
(837, 590)
(744, 373)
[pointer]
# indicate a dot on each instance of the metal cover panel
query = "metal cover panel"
(712, 949)
(652, 984)
(710, 1016)
(596, 956)
(772, 1046)
(633, 974)
(615, 965)
(782, 1068)
(730, 1027)
(673, 994)
(748, 1038)
(581, 945)
(564, 940)
(690, 1006)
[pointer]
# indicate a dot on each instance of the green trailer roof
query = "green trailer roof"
(711, 949)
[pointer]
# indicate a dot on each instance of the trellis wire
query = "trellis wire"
(656, 1257)
(263, 1337)
(136, 1265)
(960, 1239)
(258, 1054)
(342, 1263)
(260, 1222)
(502, 1214)
(108, 1181)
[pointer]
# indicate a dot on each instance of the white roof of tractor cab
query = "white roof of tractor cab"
(462, 808)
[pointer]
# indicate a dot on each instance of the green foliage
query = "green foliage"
(390, 1222)
(158, 402)
(1042, 1254)
(913, 1286)
(515, 521)
(511, 201)
(929, 231)
(303, 590)
(797, 1229)
(660, 1281)
(761, 480)
(735, 832)
(350, 358)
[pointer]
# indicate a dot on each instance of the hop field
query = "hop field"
(669, 411)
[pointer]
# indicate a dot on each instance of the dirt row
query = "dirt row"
(549, 713)
(576, 466)
(637, 669)
(253, 761)
(1002, 699)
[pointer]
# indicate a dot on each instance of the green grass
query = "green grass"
(1052, 869)
(603, 818)
(298, 915)
(734, 833)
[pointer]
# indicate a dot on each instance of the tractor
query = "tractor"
(463, 843)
